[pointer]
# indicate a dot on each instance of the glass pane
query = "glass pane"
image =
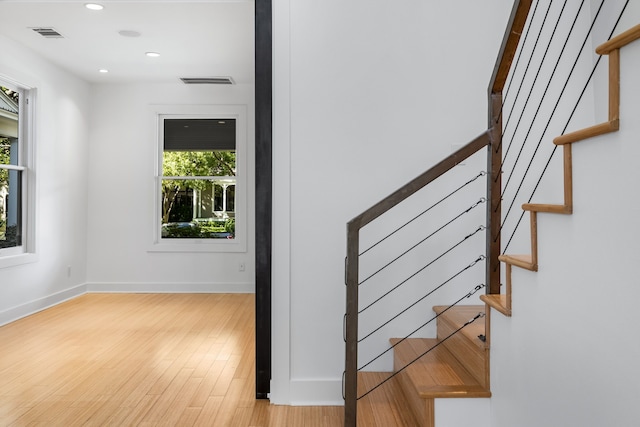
(199, 163)
(10, 210)
(198, 208)
(8, 146)
(231, 199)
(8, 129)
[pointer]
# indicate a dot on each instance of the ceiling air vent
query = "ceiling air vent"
(48, 32)
(207, 80)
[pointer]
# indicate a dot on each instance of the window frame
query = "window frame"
(26, 252)
(222, 112)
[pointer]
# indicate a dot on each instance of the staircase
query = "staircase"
(502, 302)
(458, 368)
(456, 363)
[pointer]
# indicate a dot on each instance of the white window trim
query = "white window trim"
(237, 112)
(26, 253)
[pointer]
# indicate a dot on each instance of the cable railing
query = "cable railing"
(430, 349)
(423, 268)
(548, 90)
(562, 86)
(412, 304)
(393, 277)
(386, 276)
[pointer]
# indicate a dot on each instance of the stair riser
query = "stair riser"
(472, 357)
(423, 409)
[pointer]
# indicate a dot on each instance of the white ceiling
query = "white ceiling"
(206, 38)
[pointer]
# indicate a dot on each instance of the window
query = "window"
(201, 182)
(198, 178)
(14, 170)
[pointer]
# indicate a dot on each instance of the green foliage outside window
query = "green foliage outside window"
(5, 148)
(191, 164)
(4, 181)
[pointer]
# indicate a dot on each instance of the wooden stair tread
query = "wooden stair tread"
(619, 41)
(459, 315)
(437, 374)
(549, 208)
(522, 261)
(498, 302)
(586, 133)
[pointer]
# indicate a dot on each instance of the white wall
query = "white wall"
(62, 133)
(95, 161)
(370, 100)
(121, 204)
(367, 95)
(568, 356)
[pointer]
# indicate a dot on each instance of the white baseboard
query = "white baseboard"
(31, 307)
(316, 392)
(171, 288)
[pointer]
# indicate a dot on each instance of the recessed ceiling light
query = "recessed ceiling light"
(129, 33)
(94, 6)
(103, 70)
(152, 54)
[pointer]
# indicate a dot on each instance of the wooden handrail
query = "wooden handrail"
(421, 181)
(509, 45)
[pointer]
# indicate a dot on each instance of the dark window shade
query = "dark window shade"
(199, 134)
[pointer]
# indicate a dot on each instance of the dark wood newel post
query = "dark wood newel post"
(510, 41)
(494, 189)
(351, 326)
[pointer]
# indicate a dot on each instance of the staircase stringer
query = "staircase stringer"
(502, 302)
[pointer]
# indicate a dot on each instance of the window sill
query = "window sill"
(15, 260)
(192, 245)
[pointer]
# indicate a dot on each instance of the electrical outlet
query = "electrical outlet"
(68, 271)
(241, 266)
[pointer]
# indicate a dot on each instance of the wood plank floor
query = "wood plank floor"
(148, 360)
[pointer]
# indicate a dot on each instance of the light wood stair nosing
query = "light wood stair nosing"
(498, 302)
(619, 41)
(522, 261)
(586, 133)
(548, 208)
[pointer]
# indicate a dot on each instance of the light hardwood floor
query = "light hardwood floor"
(148, 359)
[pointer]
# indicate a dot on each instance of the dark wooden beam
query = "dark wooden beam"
(508, 48)
(263, 209)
